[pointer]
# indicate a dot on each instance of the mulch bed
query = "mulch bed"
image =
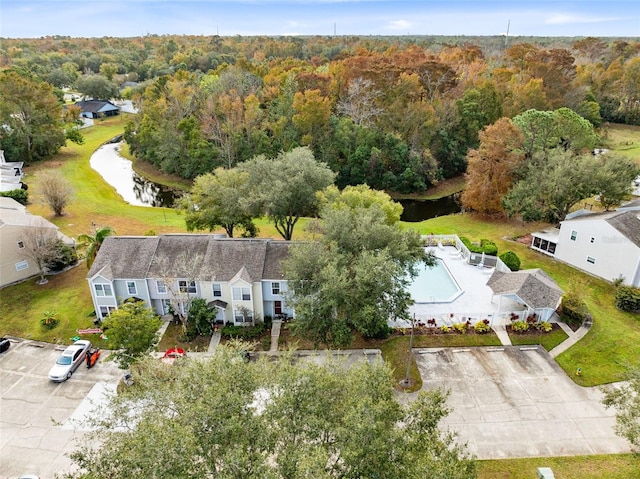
(532, 331)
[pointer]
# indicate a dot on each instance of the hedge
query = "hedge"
(486, 246)
(21, 196)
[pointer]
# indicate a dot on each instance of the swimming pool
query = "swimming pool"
(434, 285)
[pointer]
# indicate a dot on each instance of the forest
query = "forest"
(397, 113)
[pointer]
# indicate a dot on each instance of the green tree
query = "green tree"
(133, 332)
(201, 316)
(355, 276)
(272, 420)
(614, 179)
(32, 118)
(549, 186)
(97, 87)
(92, 243)
(217, 199)
(625, 399)
(284, 188)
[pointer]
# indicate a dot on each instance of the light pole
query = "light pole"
(406, 382)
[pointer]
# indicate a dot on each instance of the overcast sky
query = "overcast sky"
(127, 18)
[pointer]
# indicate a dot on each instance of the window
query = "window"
(103, 289)
(187, 287)
(592, 240)
(106, 311)
(241, 316)
(131, 287)
(22, 265)
(241, 294)
(275, 288)
(591, 260)
(20, 244)
(217, 290)
(161, 287)
(574, 235)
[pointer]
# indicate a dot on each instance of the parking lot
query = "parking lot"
(515, 401)
(35, 433)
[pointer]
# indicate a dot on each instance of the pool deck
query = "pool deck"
(476, 301)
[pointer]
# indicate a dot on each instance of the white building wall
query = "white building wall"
(615, 256)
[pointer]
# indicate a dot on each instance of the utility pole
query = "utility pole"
(506, 37)
(406, 382)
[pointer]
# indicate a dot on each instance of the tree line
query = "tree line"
(399, 114)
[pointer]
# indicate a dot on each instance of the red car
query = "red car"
(172, 354)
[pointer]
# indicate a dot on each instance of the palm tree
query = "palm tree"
(91, 244)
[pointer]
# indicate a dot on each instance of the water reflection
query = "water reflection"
(134, 189)
(420, 210)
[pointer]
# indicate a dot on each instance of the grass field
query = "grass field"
(620, 466)
(624, 139)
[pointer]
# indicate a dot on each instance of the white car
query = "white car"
(69, 361)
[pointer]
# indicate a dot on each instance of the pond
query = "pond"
(137, 190)
(134, 189)
(420, 210)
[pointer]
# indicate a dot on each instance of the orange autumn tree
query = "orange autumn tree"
(491, 167)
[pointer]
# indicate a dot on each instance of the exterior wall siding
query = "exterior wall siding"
(613, 255)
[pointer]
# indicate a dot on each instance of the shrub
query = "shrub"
(519, 326)
(628, 298)
(445, 329)
(245, 333)
(21, 196)
(49, 320)
(511, 260)
(482, 327)
(573, 310)
(486, 246)
(64, 256)
(460, 327)
(544, 326)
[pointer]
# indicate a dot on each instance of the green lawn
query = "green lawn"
(619, 466)
(547, 340)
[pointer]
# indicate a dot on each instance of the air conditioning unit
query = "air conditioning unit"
(545, 473)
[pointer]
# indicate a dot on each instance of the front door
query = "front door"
(277, 307)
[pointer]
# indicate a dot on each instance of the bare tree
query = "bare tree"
(359, 103)
(57, 191)
(180, 276)
(40, 245)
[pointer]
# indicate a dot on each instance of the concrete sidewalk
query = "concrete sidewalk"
(573, 338)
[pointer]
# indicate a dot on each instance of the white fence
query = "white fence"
(475, 259)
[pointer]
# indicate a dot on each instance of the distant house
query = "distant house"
(97, 108)
(241, 279)
(606, 245)
(17, 228)
(10, 174)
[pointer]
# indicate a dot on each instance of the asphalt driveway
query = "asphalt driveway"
(515, 401)
(35, 433)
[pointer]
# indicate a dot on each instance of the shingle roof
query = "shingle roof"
(95, 106)
(215, 259)
(628, 224)
(124, 257)
(533, 286)
(277, 251)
